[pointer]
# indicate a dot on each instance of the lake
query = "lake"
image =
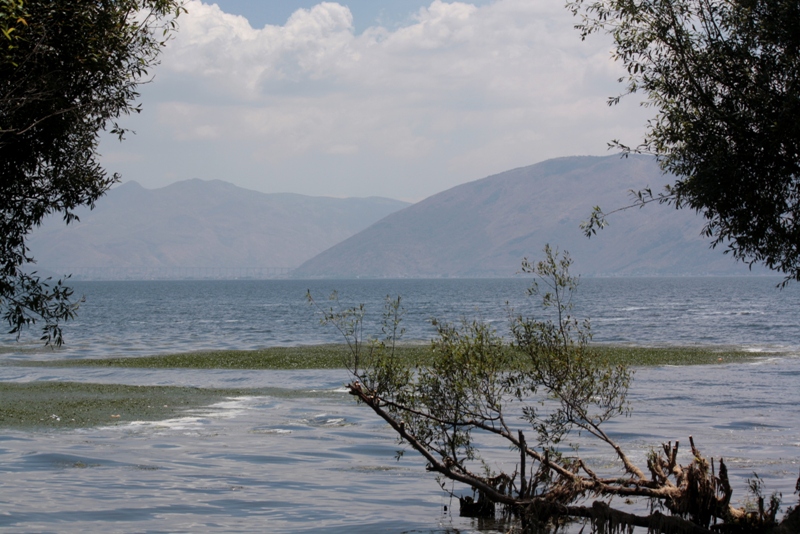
(306, 458)
(152, 317)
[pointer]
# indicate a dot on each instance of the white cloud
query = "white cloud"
(463, 90)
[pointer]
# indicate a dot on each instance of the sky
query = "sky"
(392, 98)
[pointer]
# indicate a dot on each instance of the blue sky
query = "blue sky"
(395, 98)
(366, 13)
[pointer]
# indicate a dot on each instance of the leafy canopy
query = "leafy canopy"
(68, 70)
(724, 79)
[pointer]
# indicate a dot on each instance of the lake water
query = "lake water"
(138, 318)
(307, 459)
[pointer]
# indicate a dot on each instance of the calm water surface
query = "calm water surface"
(307, 459)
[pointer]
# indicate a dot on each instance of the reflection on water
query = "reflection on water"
(316, 461)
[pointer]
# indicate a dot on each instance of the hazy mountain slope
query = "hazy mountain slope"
(486, 227)
(195, 223)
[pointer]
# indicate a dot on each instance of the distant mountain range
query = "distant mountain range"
(213, 229)
(485, 228)
(200, 229)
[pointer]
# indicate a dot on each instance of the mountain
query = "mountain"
(485, 228)
(199, 228)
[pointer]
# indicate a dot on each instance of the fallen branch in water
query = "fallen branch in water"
(546, 382)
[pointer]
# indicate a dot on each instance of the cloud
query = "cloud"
(465, 88)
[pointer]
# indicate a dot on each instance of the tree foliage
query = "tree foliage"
(68, 71)
(724, 79)
(538, 391)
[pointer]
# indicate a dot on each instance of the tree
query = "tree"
(68, 71)
(724, 79)
(532, 393)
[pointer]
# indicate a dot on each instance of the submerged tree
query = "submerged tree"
(68, 71)
(533, 392)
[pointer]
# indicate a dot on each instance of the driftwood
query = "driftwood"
(560, 384)
(697, 496)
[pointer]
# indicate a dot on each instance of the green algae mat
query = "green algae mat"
(75, 405)
(334, 357)
(52, 404)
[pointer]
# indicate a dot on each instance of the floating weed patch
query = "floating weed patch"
(333, 357)
(310, 357)
(74, 405)
(654, 356)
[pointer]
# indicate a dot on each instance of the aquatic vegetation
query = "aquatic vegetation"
(632, 355)
(73, 405)
(335, 357)
(302, 357)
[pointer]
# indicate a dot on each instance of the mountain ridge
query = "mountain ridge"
(486, 227)
(196, 224)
